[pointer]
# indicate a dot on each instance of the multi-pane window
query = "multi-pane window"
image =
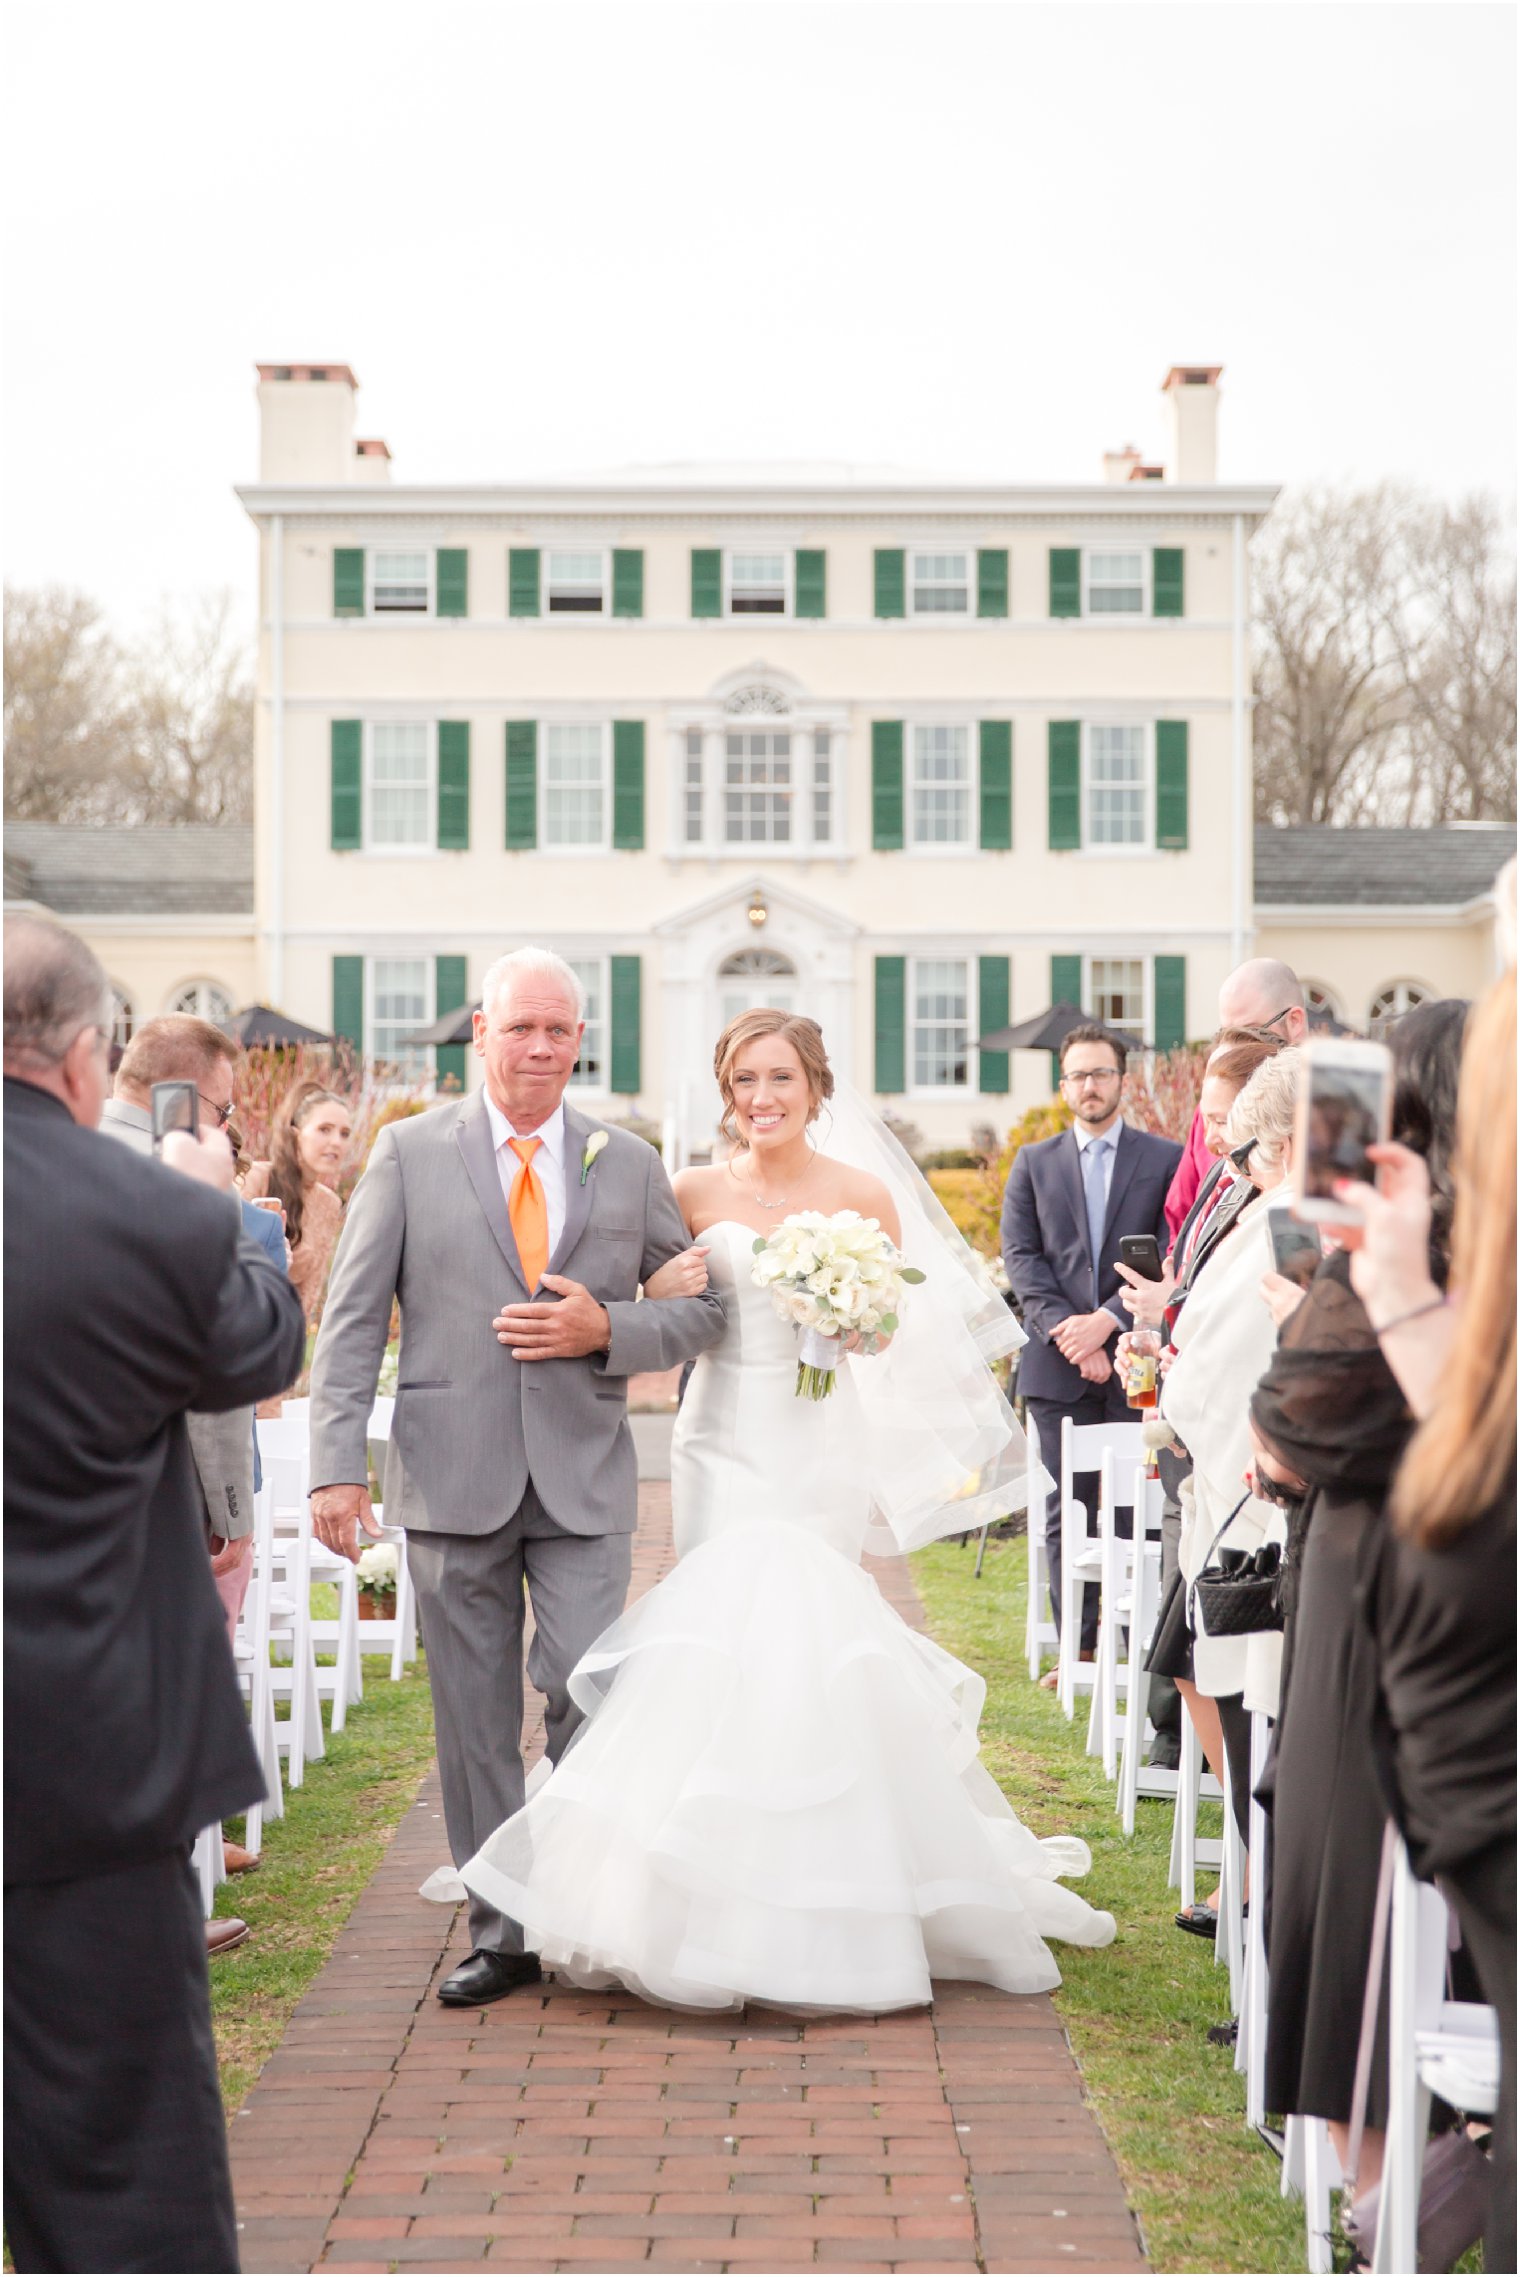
(1115, 584)
(591, 1068)
(757, 585)
(691, 788)
(398, 1005)
(754, 977)
(941, 584)
(757, 787)
(939, 1019)
(573, 582)
(823, 787)
(941, 786)
(204, 1000)
(575, 786)
(399, 583)
(400, 784)
(1391, 1003)
(123, 1018)
(1321, 1002)
(1116, 786)
(1116, 992)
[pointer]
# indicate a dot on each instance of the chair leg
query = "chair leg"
(1321, 2177)
(1254, 2025)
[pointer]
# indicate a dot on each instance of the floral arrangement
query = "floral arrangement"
(379, 1569)
(832, 1277)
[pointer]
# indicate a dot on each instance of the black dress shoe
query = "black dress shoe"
(1198, 1921)
(1166, 1752)
(488, 1976)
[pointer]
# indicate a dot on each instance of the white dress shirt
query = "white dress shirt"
(548, 1162)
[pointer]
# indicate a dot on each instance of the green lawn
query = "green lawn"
(316, 1860)
(1172, 2107)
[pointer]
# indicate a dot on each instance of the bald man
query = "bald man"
(1264, 994)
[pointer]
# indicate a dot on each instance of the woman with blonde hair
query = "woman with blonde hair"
(309, 1144)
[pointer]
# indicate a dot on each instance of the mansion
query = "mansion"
(917, 757)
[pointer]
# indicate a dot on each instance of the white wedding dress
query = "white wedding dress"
(776, 1795)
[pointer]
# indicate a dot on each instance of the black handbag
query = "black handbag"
(1241, 1596)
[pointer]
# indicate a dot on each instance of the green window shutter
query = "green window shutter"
(810, 585)
(522, 581)
(1172, 784)
(887, 786)
(626, 1002)
(992, 582)
(1065, 988)
(348, 1000)
(628, 581)
(1166, 581)
(1169, 990)
(348, 581)
(1064, 744)
(346, 745)
(452, 590)
(522, 785)
(1066, 581)
(706, 581)
(891, 1024)
(891, 581)
(453, 788)
(628, 786)
(451, 990)
(992, 1012)
(996, 785)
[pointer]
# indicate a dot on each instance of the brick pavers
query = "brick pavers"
(588, 2132)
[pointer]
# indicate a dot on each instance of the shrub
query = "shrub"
(952, 1158)
(264, 1076)
(1163, 1097)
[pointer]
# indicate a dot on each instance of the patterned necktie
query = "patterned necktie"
(1093, 1159)
(529, 1212)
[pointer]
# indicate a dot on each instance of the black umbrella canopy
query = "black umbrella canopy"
(1323, 1023)
(1048, 1031)
(452, 1028)
(259, 1025)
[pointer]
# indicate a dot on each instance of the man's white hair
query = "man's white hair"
(531, 964)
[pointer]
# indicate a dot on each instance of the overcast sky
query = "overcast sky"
(968, 238)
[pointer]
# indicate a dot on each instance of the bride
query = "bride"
(776, 1794)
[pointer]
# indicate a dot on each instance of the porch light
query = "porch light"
(758, 912)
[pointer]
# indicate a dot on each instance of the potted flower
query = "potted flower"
(377, 1572)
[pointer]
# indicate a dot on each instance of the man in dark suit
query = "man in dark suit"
(1069, 1201)
(131, 1294)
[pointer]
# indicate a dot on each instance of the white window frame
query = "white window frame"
(200, 981)
(575, 616)
(755, 724)
(428, 1057)
(939, 849)
(1319, 996)
(430, 557)
(1378, 1023)
(366, 790)
(788, 557)
(710, 731)
(579, 1085)
(917, 1090)
(1143, 1027)
(1107, 849)
(585, 847)
(123, 1014)
(941, 616)
(1117, 616)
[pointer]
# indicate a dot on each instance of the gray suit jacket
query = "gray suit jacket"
(221, 1444)
(472, 1426)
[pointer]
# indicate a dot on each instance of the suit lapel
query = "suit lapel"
(1071, 1173)
(472, 1136)
(1126, 1163)
(578, 1190)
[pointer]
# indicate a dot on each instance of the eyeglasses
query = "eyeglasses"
(1241, 1155)
(1092, 1075)
(222, 1114)
(1266, 1028)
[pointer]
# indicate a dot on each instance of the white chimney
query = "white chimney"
(372, 460)
(306, 423)
(1117, 464)
(1192, 390)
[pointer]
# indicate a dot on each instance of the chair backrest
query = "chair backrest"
(1419, 1907)
(287, 1480)
(1084, 1445)
(1148, 1503)
(284, 1438)
(380, 1414)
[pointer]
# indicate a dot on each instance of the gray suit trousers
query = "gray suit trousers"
(470, 1600)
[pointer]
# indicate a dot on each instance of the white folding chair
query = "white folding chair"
(210, 1865)
(251, 1653)
(1126, 1566)
(1039, 1624)
(1136, 1776)
(1190, 1850)
(1312, 2171)
(1083, 1447)
(286, 1444)
(1251, 2041)
(293, 1669)
(1229, 1940)
(1436, 2046)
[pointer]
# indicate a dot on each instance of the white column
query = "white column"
(277, 759)
(712, 787)
(1241, 803)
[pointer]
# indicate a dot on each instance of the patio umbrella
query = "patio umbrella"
(453, 1028)
(1322, 1023)
(1048, 1031)
(257, 1024)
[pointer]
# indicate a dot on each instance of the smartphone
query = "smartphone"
(1296, 1248)
(1345, 1099)
(1140, 1252)
(175, 1108)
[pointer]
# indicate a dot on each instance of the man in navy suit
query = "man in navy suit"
(1068, 1202)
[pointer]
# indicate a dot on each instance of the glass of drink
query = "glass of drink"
(1143, 1368)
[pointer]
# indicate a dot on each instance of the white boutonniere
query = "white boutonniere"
(594, 1145)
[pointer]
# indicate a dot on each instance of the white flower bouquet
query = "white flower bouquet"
(378, 1569)
(832, 1277)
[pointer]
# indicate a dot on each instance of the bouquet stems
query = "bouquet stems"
(817, 1365)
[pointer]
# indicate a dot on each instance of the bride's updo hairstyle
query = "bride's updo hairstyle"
(806, 1039)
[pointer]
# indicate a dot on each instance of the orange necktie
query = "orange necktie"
(529, 1212)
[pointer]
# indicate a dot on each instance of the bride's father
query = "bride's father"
(511, 1462)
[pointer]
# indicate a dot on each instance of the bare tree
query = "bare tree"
(63, 708)
(191, 717)
(1461, 664)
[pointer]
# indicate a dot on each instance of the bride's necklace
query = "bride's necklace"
(760, 1199)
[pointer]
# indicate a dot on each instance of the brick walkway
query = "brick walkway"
(588, 2132)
